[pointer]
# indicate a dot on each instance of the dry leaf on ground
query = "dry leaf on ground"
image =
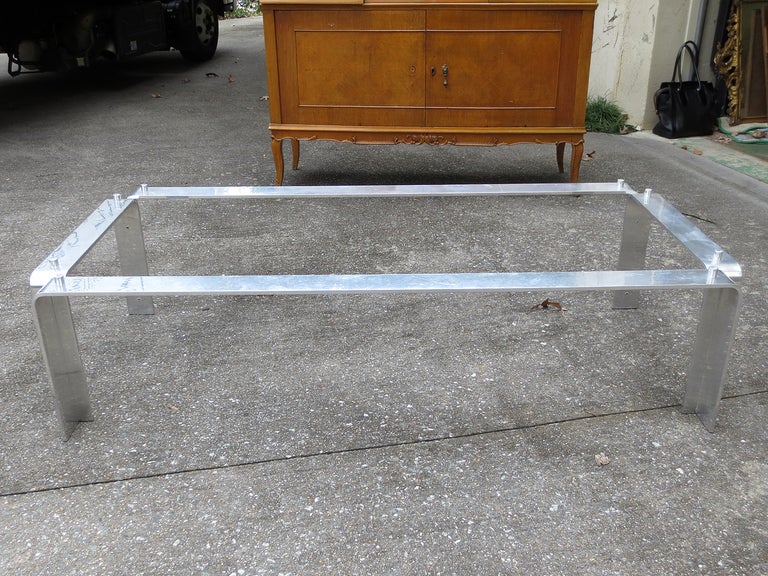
(601, 459)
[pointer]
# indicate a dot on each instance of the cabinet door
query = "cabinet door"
(503, 68)
(351, 67)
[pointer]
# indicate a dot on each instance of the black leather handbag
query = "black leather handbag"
(685, 108)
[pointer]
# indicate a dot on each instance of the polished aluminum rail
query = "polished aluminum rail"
(716, 277)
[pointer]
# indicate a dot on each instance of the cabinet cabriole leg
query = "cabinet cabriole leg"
(577, 151)
(277, 154)
(560, 157)
(295, 153)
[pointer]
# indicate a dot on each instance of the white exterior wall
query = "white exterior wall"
(634, 47)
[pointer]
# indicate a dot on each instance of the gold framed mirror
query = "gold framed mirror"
(742, 61)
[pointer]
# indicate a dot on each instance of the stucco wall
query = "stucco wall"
(634, 48)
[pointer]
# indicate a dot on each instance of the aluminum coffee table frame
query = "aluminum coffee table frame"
(716, 278)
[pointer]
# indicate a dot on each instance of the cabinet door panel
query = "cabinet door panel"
(503, 68)
(352, 68)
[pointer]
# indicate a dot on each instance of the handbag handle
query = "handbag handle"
(693, 51)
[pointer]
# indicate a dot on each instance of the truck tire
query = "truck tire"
(202, 38)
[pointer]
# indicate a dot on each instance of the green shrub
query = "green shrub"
(605, 116)
(244, 9)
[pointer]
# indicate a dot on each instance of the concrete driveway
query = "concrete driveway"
(418, 434)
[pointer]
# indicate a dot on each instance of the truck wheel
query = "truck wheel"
(203, 37)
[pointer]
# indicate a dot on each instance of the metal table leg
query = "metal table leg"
(61, 353)
(132, 254)
(709, 360)
(634, 245)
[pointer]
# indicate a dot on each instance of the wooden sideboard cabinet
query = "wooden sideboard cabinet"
(425, 72)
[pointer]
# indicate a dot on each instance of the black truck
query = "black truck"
(51, 35)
